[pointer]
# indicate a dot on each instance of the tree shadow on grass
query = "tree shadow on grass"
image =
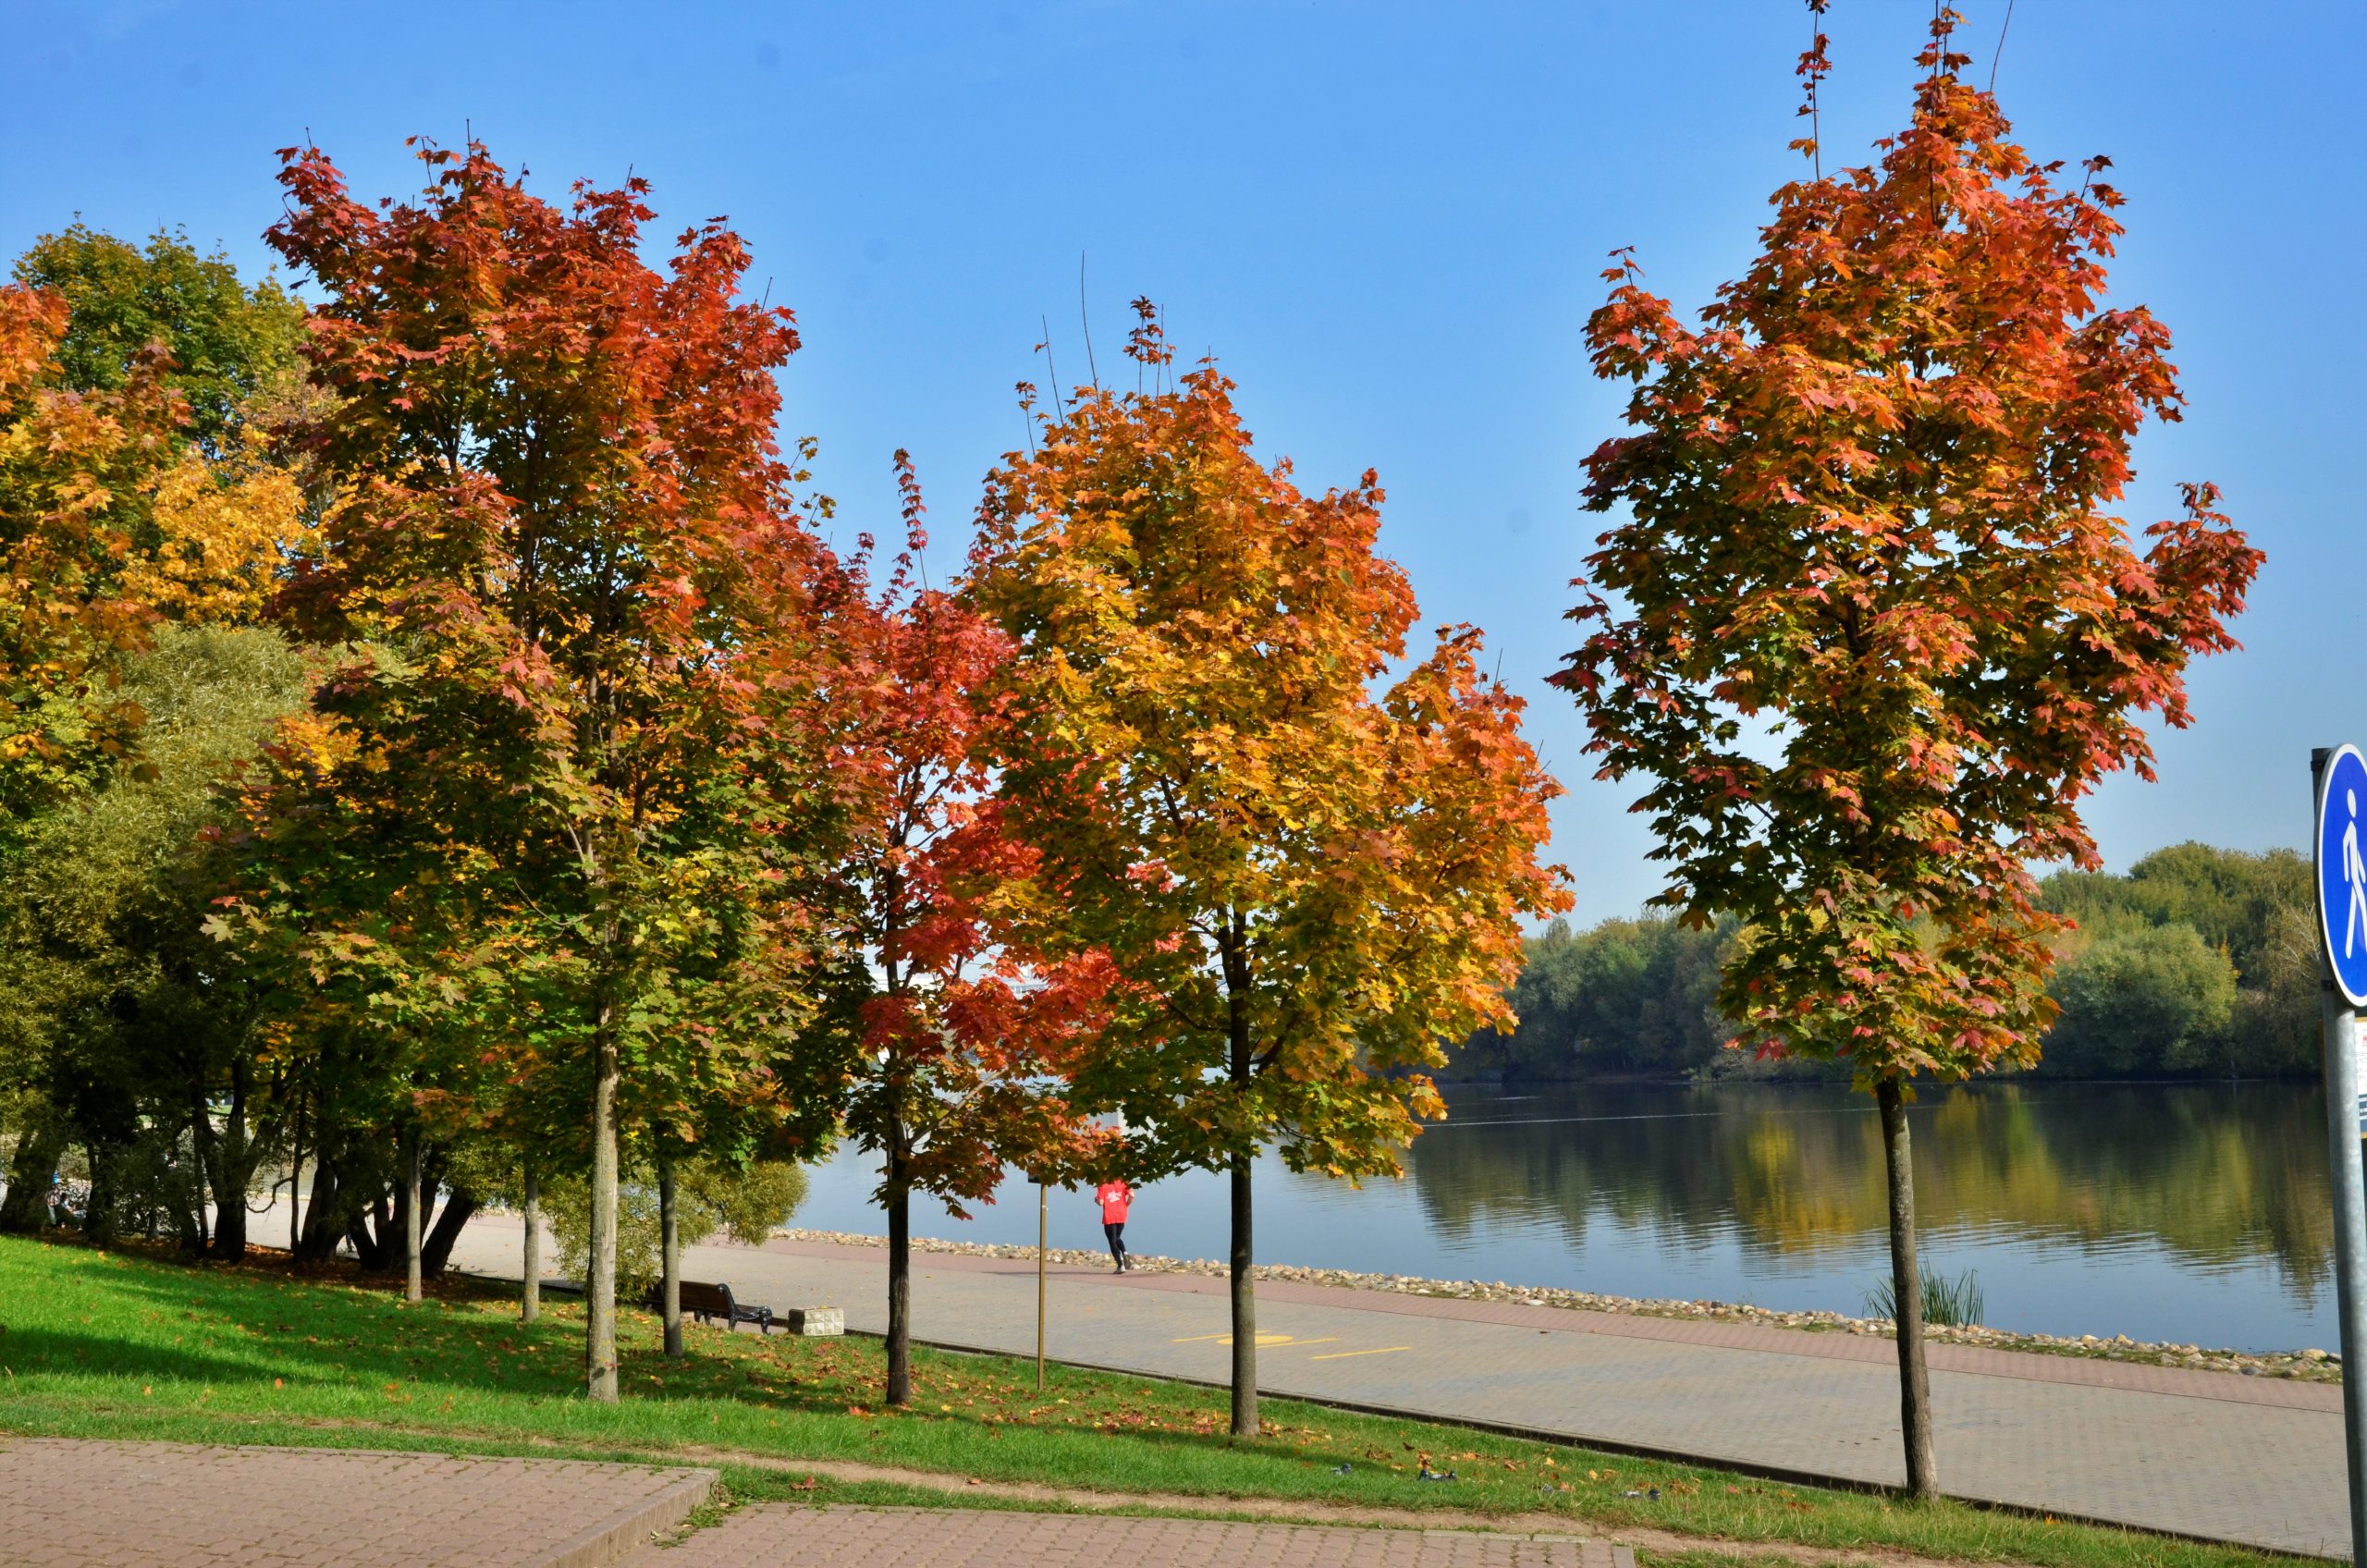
(74, 1311)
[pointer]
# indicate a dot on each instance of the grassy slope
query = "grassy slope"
(124, 1345)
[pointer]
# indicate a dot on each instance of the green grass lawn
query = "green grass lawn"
(122, 1344)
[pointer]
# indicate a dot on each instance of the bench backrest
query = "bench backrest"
(712, 1299)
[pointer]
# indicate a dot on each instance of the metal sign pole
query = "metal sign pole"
(2339, 1027)
(1045, 1232)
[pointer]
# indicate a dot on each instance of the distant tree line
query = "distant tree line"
(2197, 961)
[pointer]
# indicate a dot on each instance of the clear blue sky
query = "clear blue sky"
(1386, 219)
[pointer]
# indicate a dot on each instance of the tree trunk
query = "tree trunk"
(237, 1150)
(435, 1253)
(530, 1286)
(318, 1242)
(200, 1148)
(1245, 1308)
(296, 1175)
(1241, 1068)
(410, 1215)
(1906, 1292)
(229, 1224)
(600, 1265)
(899, 1284)
(25, 1207)
(98, 1212)
(670, 1259)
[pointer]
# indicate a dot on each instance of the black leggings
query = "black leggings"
(1116, 1232)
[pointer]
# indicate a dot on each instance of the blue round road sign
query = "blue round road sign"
(2342, 871)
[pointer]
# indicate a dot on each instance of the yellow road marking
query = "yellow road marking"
(1343, 1355)
(1265, 1341)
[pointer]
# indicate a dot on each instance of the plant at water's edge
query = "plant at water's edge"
(1874, 635)
(1950, 1303)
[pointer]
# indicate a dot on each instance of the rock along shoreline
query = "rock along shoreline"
(2304, 1365)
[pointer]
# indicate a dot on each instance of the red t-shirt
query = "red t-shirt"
(1113, 1197)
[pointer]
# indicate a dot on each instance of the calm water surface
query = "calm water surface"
(2194, 1213)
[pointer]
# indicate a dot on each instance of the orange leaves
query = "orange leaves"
(73, 469)
(1869, 511)
(1303, 880)
(977, 1010)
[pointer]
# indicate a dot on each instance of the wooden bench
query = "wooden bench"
(707, 1303)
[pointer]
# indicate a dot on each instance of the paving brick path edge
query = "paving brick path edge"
(789, 1536)
(81, 1504)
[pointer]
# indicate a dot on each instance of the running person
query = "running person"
(1114, 1198)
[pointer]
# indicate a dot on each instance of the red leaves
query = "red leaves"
(1869, 508)
(975, 1021)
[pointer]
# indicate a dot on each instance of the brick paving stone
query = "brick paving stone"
(786, 1536)
(2253, 1460)
(75, 1504)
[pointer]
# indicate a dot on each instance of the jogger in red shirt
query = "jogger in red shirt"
(1114, 1198)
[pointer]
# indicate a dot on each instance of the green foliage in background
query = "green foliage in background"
(712, 1197)
(2151, 998)
(2197, 961)
(231, 344)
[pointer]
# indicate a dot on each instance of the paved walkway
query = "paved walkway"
(68, 1504)
(779, 1536)
(2213, 1454)
(72, 1505)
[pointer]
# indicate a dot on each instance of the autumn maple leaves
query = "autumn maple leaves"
(1865, 626)
(644, 823)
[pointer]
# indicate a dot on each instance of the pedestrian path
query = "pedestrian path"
(69, 1503)
(73, 1504)
(2213, 1455)
(780, 1535)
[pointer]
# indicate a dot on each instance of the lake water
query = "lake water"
(2190, 1213)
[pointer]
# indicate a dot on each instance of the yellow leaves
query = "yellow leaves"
(222, 540)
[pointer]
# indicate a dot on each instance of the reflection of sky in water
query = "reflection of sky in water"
(1753, 1195)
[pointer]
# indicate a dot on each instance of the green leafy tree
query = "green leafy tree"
(715, 1199)
(231, 345)
(571, 588)
(1625, 996)
(135, 1032)
(2155, 997)
(1875, 634)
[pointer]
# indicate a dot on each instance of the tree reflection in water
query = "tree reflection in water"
(2215, 1177)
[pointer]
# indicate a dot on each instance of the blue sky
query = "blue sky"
(1386, 219)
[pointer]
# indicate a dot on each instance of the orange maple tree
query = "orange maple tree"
(1868, 628)
(1308, 874)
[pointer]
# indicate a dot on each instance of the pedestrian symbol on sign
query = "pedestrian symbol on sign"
(2354, 921)
(2342, 872)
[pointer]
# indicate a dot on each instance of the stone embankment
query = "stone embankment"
(2306, 1366)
